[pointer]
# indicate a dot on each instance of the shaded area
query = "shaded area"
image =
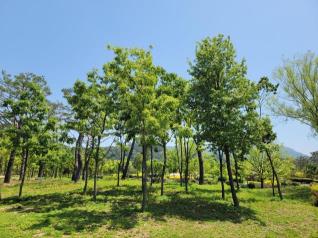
(299, 193)
(118, 208)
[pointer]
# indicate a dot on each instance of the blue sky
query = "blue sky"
(63, 39)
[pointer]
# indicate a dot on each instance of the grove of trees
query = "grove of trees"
(133, 117)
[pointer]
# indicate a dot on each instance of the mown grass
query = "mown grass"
(56, 208)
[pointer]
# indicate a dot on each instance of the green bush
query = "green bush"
(314, 191)
(251, 185)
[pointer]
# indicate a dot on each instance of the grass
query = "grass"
(56, 208)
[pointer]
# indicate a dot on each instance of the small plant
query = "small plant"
(251, 185)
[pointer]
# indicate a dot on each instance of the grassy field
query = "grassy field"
(56, 208)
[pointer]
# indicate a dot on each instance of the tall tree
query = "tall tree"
(223, 95)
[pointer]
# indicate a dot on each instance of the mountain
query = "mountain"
(291, 152)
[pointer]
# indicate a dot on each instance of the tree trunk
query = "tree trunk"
(262, 182)
(144, 178)
(78, 158)
(201, 167)
(41, 168)
(236, 172)
(96, 167)
(273, 185)
(88, 159)
(163, 167)
(186, 175)
(221, 173)
(275, 174)
(121, 161)
(22, 168)
(8, 174)
(181, 162)
(125, 170)
(25, 162)
(229, 171)
(151, 165)
(85, 159)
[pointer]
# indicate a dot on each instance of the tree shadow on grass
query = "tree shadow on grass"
(201, 209)
(118, 208)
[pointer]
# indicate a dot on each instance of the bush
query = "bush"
(251, 185)
(302, 180)
(221, 179)
(314, 191)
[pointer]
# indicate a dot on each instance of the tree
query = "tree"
(223, 95)
(298, 80)
(24, 108)
(132, 71)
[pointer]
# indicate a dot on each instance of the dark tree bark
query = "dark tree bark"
(22, 167)
(8, 174)
(163, 167)
(41, 169)
(273, 184)
(201, 167)
(96, 167)
(125, 170)
(221, 173)
(229, 171)
(236, 172)
(187, 155)
(181, 163)
(275, 174)
(87, 161)
(151, 165)
(78, 158)
(262, 182)
(25, 162)
(144, 178)
(121, 162)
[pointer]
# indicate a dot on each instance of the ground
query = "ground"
(56, 208)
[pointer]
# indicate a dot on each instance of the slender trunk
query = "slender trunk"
(96, 167)
(186, 175)
(262, 182)
(181, 162)
(85, 159)
(236, 172)
(273, 184)
(8, 174)
(144, 178)
(151, 165)
(41, 168)
(78, 158)
(25, 162)
(22, 168)
(164, 166)
(201, 167)
(229, 171)
(87, 166)
(178, 157)
(274, 174)
(120, 162)
(221, 173)
(125, 170)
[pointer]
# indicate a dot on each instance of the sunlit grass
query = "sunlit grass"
(56, 208)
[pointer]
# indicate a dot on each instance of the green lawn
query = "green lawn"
(56, 208)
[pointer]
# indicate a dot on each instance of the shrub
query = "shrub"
(302, 180)
(251, 185)
(314, 191)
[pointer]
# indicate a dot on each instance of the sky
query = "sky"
(64, 39)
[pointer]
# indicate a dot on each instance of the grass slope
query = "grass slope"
(55, 208)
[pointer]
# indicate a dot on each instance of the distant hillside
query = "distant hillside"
(291, 152)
